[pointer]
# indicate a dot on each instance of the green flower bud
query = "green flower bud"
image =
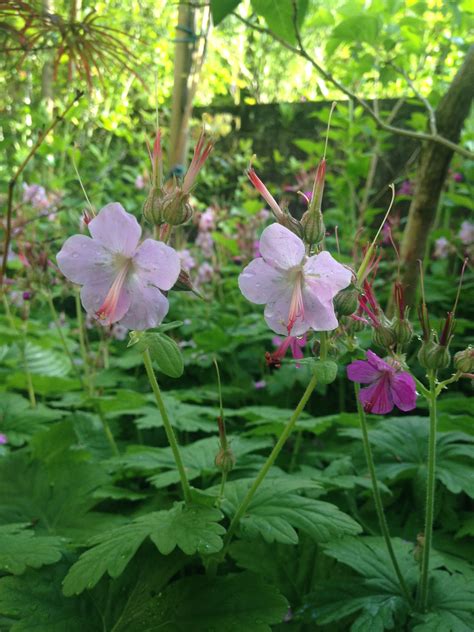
(346, 301)
(288, 221)
(464, 360)
(225, 460)
(152, 208)
(176, 208)
(403, 331)
(314, 229)
(432, 355)
(384, 336)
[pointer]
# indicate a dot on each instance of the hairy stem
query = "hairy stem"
(167, 424)
(377, 497)
(430, 493)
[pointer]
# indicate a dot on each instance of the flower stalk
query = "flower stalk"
(430, 493)
(167, 425)
(376, 494)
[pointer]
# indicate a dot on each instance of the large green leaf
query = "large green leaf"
(232, 603)
(20, 548)
(19, 421)
(277, 510)
(221, 8)
(401, 451)
(451, 604)
(358, 28)
(198, 458)
(280, 16)
(193, 529)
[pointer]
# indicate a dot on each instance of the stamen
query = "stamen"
(296, 305)
(107, 311)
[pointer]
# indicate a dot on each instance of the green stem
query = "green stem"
(57, 324)
(108, 432)
(377, 497)
(430, 493)
(22, 348)
(268, 463)
(82, 344)
(167, 424)
(222, 489)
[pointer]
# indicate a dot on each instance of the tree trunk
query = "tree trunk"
(182, 70)
(434, 161)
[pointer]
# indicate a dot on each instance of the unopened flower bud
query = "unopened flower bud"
(434, 356)
(176, 208)
(225, 460)
(346, 301)
(464, 361)
(288, 221)
(313, 227)
(384, 336)
(403, 331)
(153, 206)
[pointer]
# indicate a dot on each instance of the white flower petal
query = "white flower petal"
(83, 260)
(280, 247)
(157, 264)
(258, 282)
(116, 229)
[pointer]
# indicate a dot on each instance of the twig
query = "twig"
(400, 131)
(11, 185)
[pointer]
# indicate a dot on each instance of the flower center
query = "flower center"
(108, 310)
(296, 304)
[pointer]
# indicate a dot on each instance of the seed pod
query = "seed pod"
(314, 229)
(464, 360)
(433, 356)
(153, 206)
(346, 301)
(384, 336)
(403, 331)
(176, 208)
(225, 460)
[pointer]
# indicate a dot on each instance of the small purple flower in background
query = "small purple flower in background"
(3, 439)
(205, 242)
(259, 385)
(121, 280)
(187, 260)
(298, 290)
(466, 233)
(406, 188)
(457, 177)
(140, 182)
(442, 248)
(263, 215)
(35, 195)
(207, 220)
(205, 273)
(389, 386)
(387, 232)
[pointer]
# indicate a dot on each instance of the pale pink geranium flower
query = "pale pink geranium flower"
(466, 234)
(121, 281)
(388, 385)
(297, 290)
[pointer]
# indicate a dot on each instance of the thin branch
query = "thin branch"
(424, 100)
(11, 185)
(400, 131)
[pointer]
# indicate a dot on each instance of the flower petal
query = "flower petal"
(157, 264)
(259, 282)
(403, 391)
(116, 229)
(318, 314)
(363, 372)
(379, 364)
(377, 397)
(277, 315)
(148, 306)
(83, 260)
(280, 247)
(93, 296)
(325, 272)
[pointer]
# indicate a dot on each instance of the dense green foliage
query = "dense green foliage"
(95, 531)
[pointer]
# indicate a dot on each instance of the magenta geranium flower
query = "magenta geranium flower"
(297, 290)
(121, 281)
(389, 386)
